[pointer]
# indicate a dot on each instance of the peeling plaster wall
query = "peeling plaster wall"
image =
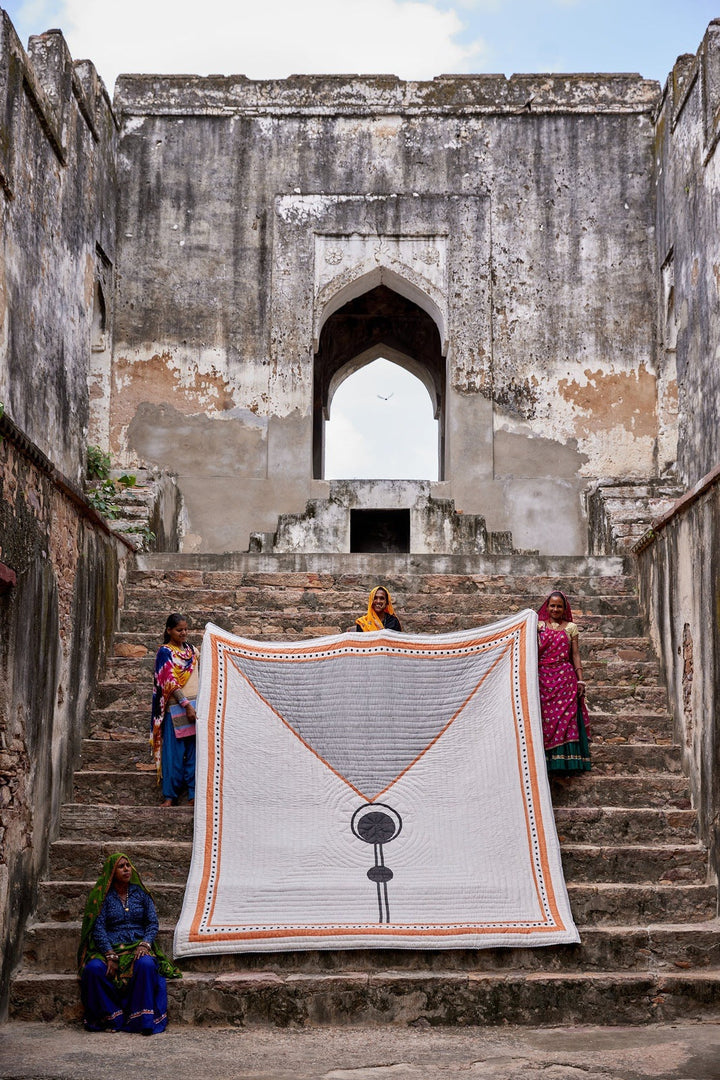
(231, 191)
(57, 211)
(688, 238)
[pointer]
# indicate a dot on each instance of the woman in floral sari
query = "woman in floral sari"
(122, 969)
(172, 736)
(562, 689)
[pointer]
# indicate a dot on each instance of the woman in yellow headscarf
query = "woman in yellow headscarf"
(380, 613)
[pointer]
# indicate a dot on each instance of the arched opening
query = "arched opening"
(381, 423)
(378, 324)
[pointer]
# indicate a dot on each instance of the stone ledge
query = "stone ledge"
(331, 95)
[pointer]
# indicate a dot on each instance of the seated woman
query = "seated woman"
(173, 717)
(562, 689)
(380, 613)
(122, 969)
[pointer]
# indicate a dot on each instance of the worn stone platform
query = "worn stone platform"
(637, 876)
(657, 1052)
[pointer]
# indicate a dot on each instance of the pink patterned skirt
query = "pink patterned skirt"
(564, 714)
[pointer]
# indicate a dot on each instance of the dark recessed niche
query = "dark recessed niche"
(380, 530)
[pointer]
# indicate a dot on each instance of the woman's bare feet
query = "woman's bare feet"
(166, 802)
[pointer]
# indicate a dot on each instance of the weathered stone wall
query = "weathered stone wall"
(518, 213)
(56, 624)
(688, 239)
(57, 210)
(680, 568)
(57, 206)
(679, 573)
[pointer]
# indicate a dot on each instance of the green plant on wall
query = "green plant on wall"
(144, 535)
(98, 464)
(102, 490)
(101, 498)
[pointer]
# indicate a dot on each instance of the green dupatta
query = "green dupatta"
(88, 949)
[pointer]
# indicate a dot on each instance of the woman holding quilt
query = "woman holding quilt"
(562, 689)
(380, 613)
(173, 711)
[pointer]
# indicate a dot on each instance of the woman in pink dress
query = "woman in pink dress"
(562, 689)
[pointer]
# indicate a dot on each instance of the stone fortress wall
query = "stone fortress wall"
(517, 214)
(170, 268)
(679, 564)
(60, 567)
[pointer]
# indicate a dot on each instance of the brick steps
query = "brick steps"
(637, 877)
(440, 997)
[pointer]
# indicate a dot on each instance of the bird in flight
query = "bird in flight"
(383, 398)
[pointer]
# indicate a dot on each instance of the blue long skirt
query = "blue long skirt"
(140, 1006)
(177, 758)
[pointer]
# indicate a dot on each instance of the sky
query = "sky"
(409, 38)
(414, 39)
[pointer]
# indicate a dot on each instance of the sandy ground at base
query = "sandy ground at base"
(662, 1052)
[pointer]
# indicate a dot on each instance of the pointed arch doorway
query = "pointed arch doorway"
(378, 323)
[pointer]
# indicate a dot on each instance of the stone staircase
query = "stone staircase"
(637, 876)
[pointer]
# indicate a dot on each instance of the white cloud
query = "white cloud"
(270, 39)
(381, 427)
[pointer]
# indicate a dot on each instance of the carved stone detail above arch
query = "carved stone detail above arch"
(329, 249)
(368, 263)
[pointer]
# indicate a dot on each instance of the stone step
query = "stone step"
(595, 904)
(629, 726)
(154, 604)
(136, 671)
(606, 825)
(52, 946)
(294, 623)
(169, 860)
(654, 789)
(531, 576)
(438, 997)
(131, 648)
(134, 689)
(608, 757)
(133, 720)
(658, 789)
(575, 824)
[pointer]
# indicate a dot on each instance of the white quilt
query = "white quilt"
(373, 790)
